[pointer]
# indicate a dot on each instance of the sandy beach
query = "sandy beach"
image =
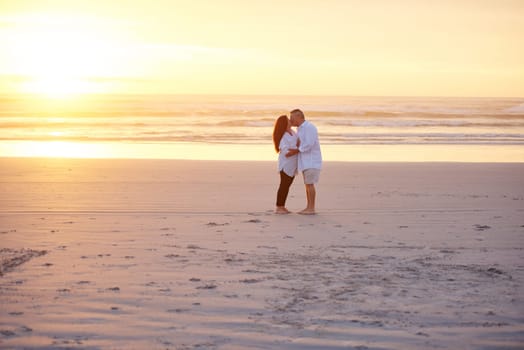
(169, 254)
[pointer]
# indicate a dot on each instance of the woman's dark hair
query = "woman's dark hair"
(279, 130)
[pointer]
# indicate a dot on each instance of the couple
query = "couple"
(300, 150)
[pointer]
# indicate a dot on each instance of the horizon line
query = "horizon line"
(43, 96)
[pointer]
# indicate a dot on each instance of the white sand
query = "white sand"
(183, 254)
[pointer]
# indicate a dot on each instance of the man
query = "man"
(309, 156)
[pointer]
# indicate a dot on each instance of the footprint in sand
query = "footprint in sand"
(250, 280)
(266, 247)
(7, 333)
(11, 258)
(207, 286)
(212, 224)
(177, 311)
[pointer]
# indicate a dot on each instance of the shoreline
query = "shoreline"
(248, 152)
(238, 161)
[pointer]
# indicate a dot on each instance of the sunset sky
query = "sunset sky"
(332, 47)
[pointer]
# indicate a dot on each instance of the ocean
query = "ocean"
(248, 120)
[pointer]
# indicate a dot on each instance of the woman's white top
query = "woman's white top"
(288, 165)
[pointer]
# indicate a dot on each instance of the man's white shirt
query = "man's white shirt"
(309, 156)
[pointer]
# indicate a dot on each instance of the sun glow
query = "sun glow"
(61, 48)
(59, 87)
(61, 56)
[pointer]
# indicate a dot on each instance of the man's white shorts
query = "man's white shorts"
(311, 176)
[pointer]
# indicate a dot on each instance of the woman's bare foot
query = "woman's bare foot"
(281, 210)
(307, 212)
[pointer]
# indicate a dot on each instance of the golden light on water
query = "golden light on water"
(59, 149)
(76, 149)
(243, 152)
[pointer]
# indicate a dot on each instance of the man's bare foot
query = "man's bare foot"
(307, 212)
(281, 210)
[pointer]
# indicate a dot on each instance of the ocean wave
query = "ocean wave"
(152, 122)
(240, 138)
(390, 123)
(518, 109)
(246, 123)
(245, 119)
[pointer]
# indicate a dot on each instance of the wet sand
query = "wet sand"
(99, 254)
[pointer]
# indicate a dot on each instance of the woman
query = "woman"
(284, 139)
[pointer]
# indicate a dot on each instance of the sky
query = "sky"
(290, 47)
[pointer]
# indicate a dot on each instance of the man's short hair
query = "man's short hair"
(299, 112)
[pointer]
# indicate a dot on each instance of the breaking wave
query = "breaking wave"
(250, 119)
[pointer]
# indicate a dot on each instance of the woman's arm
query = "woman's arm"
(289, 147)
(292, 152)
